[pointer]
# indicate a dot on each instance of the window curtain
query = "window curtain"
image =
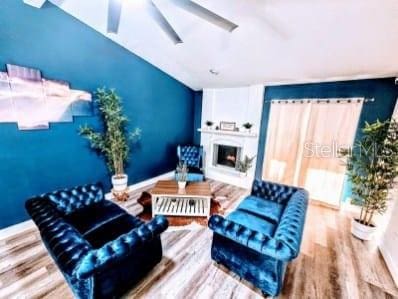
(303, 141)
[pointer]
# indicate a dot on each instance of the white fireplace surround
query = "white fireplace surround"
(237, 105)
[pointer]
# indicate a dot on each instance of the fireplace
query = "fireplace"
(226, 155)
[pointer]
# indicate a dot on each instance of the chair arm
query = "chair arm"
(291, 225)
(65, 244)
(249, 238)
(113, 251)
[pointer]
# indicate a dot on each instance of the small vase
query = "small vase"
(181, 185)
(361, 231)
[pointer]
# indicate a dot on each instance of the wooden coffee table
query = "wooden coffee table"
(168, 200)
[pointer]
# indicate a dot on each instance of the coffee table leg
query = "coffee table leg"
(154, 202)
(208, 207)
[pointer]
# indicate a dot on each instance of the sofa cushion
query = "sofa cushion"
(90, 218)
(253, 222)
(270, 210)
(111, 230)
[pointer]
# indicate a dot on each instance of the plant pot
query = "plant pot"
(119, 182)
(361, 231)
(181, 185)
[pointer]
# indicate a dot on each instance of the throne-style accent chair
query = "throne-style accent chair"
(259, 238)
(101, 250)
(192, 156)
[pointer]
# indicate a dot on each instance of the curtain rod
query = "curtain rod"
(314, 100)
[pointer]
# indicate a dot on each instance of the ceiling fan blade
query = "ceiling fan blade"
(114, 12)
(206, 14)
(163, 23)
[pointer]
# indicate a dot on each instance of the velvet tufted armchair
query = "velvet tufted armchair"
(259, 238)
(192, 155)
(101, 250)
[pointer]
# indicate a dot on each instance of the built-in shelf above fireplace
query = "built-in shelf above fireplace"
(223, 132)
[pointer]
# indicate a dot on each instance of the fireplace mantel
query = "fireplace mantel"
(232, 133)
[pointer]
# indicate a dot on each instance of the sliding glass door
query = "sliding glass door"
(303, 142)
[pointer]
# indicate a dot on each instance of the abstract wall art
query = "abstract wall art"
(33, 102)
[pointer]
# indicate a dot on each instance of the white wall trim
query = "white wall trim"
(390, 263)
(145, 183)
(28, 224)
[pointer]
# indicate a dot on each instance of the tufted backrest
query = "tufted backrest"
(291, 225)
(68, 200)
(191, 155)
(273, 191)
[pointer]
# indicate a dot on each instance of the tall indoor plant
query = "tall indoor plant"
(372, 166)
(114, 141)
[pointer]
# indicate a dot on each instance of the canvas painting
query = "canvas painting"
(35, 102)
(6, 106)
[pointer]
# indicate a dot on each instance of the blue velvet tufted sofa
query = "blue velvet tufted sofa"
(192, 155)
(101, 250)
(264, 233)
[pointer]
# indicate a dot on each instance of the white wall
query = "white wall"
(389, 243)
(239, 105)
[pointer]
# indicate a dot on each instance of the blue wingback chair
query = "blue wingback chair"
(193, 156)
(101, 250)
(259, 238)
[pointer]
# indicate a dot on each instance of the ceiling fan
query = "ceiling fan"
(115, 10)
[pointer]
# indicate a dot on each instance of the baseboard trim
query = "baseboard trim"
(145, 183)
(392, 267)
(28, 224)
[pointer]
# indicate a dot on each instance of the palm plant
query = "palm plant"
(114, 142)
(209, 123)
(247, 125)
(245, 164)
(372, 167)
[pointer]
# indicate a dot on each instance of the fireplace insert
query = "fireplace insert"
(226, 155)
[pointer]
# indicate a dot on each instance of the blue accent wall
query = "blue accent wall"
(197, 120)
(384, 91)
(33, 162)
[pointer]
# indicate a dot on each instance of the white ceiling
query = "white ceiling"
(277, 41)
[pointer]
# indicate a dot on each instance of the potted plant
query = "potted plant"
(372, 166)
(209, 124)
(244, 165)
(247, 126)
(114, 141)
(181, 175)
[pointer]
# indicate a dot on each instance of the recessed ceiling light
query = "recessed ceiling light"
(214, 72)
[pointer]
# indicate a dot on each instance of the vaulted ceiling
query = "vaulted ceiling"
(276, 41)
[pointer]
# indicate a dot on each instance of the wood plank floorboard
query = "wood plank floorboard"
(332, 263)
